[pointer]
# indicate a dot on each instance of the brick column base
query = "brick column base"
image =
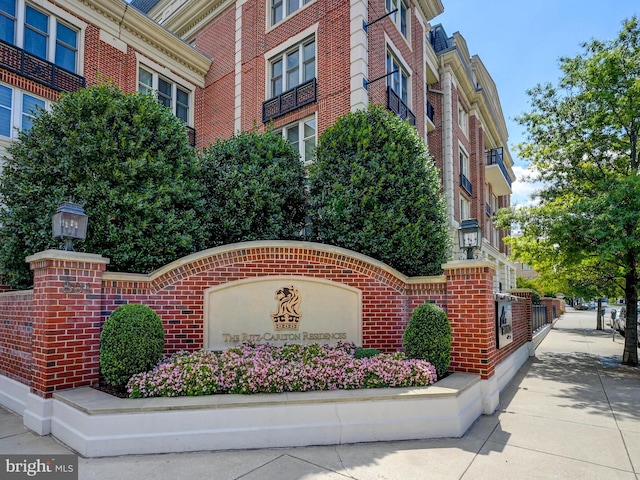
(67, 298)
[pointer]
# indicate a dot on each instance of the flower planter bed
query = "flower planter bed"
(97, 424)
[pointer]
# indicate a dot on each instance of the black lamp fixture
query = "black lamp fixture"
(69, 223)
(470, 236)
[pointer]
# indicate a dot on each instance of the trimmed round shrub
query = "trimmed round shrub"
(131, 342)
(428, 337)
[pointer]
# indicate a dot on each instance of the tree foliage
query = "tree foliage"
(375, 189)
(253, 188)
(125, 158)
(583, 139)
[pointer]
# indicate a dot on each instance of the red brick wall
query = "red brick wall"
(66, 321)
(178, 297)
(471, 311)
(60, 347)
(16, 335)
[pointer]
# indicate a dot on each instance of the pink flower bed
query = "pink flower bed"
(271, 369)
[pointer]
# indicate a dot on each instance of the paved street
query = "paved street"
(571, 412)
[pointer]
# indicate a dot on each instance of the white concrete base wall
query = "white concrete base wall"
(13, 394)
(507, 369)
(96, 424)
(36, 412)
(141, 426)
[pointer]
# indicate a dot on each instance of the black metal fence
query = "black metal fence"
(539, 317)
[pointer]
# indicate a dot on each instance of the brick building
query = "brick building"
(227, 66)
(50, 47)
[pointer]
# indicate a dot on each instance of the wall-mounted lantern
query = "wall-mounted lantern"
(470, 236)
(69, 223)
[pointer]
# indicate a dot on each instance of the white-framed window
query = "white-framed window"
(17, 110)
(41, 33)
(302, 135)
(293, 67)
(398, 81)
(281, 9)
(169, 93)
(401, 17)
(463, 118)
(464, 162)
(465, 208)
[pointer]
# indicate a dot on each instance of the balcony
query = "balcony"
(288, 101)
(37, 69)
(397, 106)
(496, 172)
(431, 114)
(466, 184)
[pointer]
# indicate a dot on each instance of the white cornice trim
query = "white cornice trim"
(430, 8)
(191, 17)
(142, 33)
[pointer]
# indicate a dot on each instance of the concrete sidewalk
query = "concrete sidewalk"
(571, 412)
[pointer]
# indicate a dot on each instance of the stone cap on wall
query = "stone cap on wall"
(67, 255)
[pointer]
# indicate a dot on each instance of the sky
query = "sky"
(520, 42)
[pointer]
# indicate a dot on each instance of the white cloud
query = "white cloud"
(523, 189)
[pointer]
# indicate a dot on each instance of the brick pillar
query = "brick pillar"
(525, 307)
(67, 297)
(471, 312)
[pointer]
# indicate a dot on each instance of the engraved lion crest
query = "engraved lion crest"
(288, 315)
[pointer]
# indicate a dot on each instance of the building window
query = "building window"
(302, 135)
(294, 67)
(39, 33)
(401, 16)
(168, 93)
(463, 118)
(398, 81)
(281, 9)
(8, 21)
(465, 174)
(17, 110)
(465, 208)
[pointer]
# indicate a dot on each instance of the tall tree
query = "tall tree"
(375, 189)
(125, 158)
(583, 139)
(254, 188)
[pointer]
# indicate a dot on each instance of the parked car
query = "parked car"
(592, 305)
(619, 323)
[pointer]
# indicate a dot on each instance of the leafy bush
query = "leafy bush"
(131, 342)
(270, 369)
(366, 352)
(253, 188)
(428, 337)
(375, 189)
(126, 159)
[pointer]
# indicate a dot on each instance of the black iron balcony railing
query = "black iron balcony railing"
(35, 68)
(466, 184)
(191, 134)
(431, 113)
(288, 101)
(397, 106)
(494, 157)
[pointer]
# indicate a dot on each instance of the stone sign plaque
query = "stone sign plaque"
(504, 323)
(282, 309)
